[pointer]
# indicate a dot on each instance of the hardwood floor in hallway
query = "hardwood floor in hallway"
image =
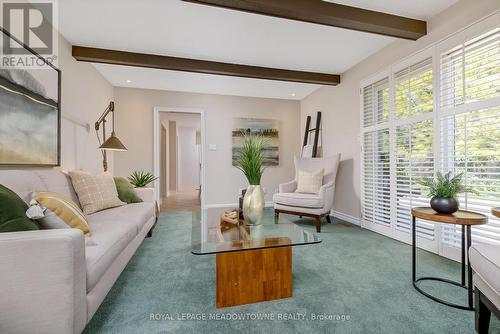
(181, 201)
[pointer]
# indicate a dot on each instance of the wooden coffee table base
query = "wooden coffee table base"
(252, 276)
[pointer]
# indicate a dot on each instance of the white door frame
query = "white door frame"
(156, 150)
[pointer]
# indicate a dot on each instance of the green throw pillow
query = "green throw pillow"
(126, 191)
(13, 212)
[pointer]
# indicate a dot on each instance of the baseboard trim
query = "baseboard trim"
(232, 205)
(346, 217)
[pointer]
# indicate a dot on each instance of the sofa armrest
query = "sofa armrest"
(146, 194)
(288, 187)
(43, 282)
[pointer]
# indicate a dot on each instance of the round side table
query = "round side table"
(461, 217)
(496, 212)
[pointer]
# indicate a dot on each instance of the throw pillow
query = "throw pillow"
(95, 192)
(60, 212)
(12, 212)
(126, 191)
(309, 182)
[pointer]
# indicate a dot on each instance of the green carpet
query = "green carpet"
(354, 273)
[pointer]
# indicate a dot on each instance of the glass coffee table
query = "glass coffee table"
(253, 263)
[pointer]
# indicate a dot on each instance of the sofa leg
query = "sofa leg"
(482, 314)
(328, 219)
(276, 216)
(318, 224)
(150, 233)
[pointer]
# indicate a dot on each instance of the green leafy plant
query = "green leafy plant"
(250, 158)
(141, 178)
(446, 186)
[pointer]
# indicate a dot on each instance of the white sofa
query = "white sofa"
(52, 281)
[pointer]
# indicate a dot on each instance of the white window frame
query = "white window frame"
(433, 51)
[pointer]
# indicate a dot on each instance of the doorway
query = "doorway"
(179, 157)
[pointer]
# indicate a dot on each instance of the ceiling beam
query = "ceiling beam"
(116, 57)
(328, 13)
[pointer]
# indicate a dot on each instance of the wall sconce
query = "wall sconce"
(112, 143)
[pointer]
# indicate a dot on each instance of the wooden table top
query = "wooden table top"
(496, 212)
(461, 217)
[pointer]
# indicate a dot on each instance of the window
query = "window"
(376, 103)
(376, 177)
(417, 121)
(470, 128)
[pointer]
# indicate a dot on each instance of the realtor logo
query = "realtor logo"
(31, 24)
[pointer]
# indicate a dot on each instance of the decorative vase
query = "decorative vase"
(444, 205)
(253, 205)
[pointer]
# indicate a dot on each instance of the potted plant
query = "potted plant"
(141, 179)
(250, 161)
(443, 191)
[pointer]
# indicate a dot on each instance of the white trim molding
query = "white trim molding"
(345, 217)
(156, 155)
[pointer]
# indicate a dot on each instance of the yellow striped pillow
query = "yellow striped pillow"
(61, 212)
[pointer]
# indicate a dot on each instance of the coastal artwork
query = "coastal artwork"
(268, 128)
(29, 116)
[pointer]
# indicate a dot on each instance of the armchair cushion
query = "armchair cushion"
(309, 182)
(299, 200)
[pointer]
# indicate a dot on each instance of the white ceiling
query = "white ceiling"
(175, 28)
(418, 9)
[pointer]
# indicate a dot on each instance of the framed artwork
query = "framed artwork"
(268, 128)
(30, 113)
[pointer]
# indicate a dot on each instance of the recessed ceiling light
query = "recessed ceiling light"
(129, 81)
(293, 94)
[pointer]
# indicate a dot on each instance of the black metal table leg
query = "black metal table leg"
(470, 285)
(462, 284)
(413, 248)
(463, 254)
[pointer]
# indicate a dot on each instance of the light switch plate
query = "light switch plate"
(212, 147)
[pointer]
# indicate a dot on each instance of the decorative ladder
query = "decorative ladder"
(316, 131)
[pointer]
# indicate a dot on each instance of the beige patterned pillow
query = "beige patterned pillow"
(309, 182)
(95, 192)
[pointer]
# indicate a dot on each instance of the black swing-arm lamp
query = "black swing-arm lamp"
(112, 143)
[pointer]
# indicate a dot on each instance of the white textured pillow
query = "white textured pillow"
(95, 192)
(309, 182)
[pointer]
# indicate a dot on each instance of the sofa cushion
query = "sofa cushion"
(299, 200)
(138, 213)
(126, 191)
(96, 192)
(111, 237)
(13, 212)
(485, 260)
(24, 182)
(61, 212)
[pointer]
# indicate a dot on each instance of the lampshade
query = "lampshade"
(113, 144)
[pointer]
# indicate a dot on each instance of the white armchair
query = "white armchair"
(287, 200)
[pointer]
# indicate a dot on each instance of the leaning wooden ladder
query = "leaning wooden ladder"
(316, 131)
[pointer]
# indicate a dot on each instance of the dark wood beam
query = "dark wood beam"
(328, 13)
(116, 57)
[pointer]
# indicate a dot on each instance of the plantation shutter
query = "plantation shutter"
(376, 103)
(470, 128)
(376, 177)
(376, 157)
(414, 142)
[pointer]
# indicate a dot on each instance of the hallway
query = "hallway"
(181, 201)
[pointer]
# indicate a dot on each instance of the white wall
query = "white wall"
(85, 93)
(341, 104)
(134, 118)
(189, 171)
